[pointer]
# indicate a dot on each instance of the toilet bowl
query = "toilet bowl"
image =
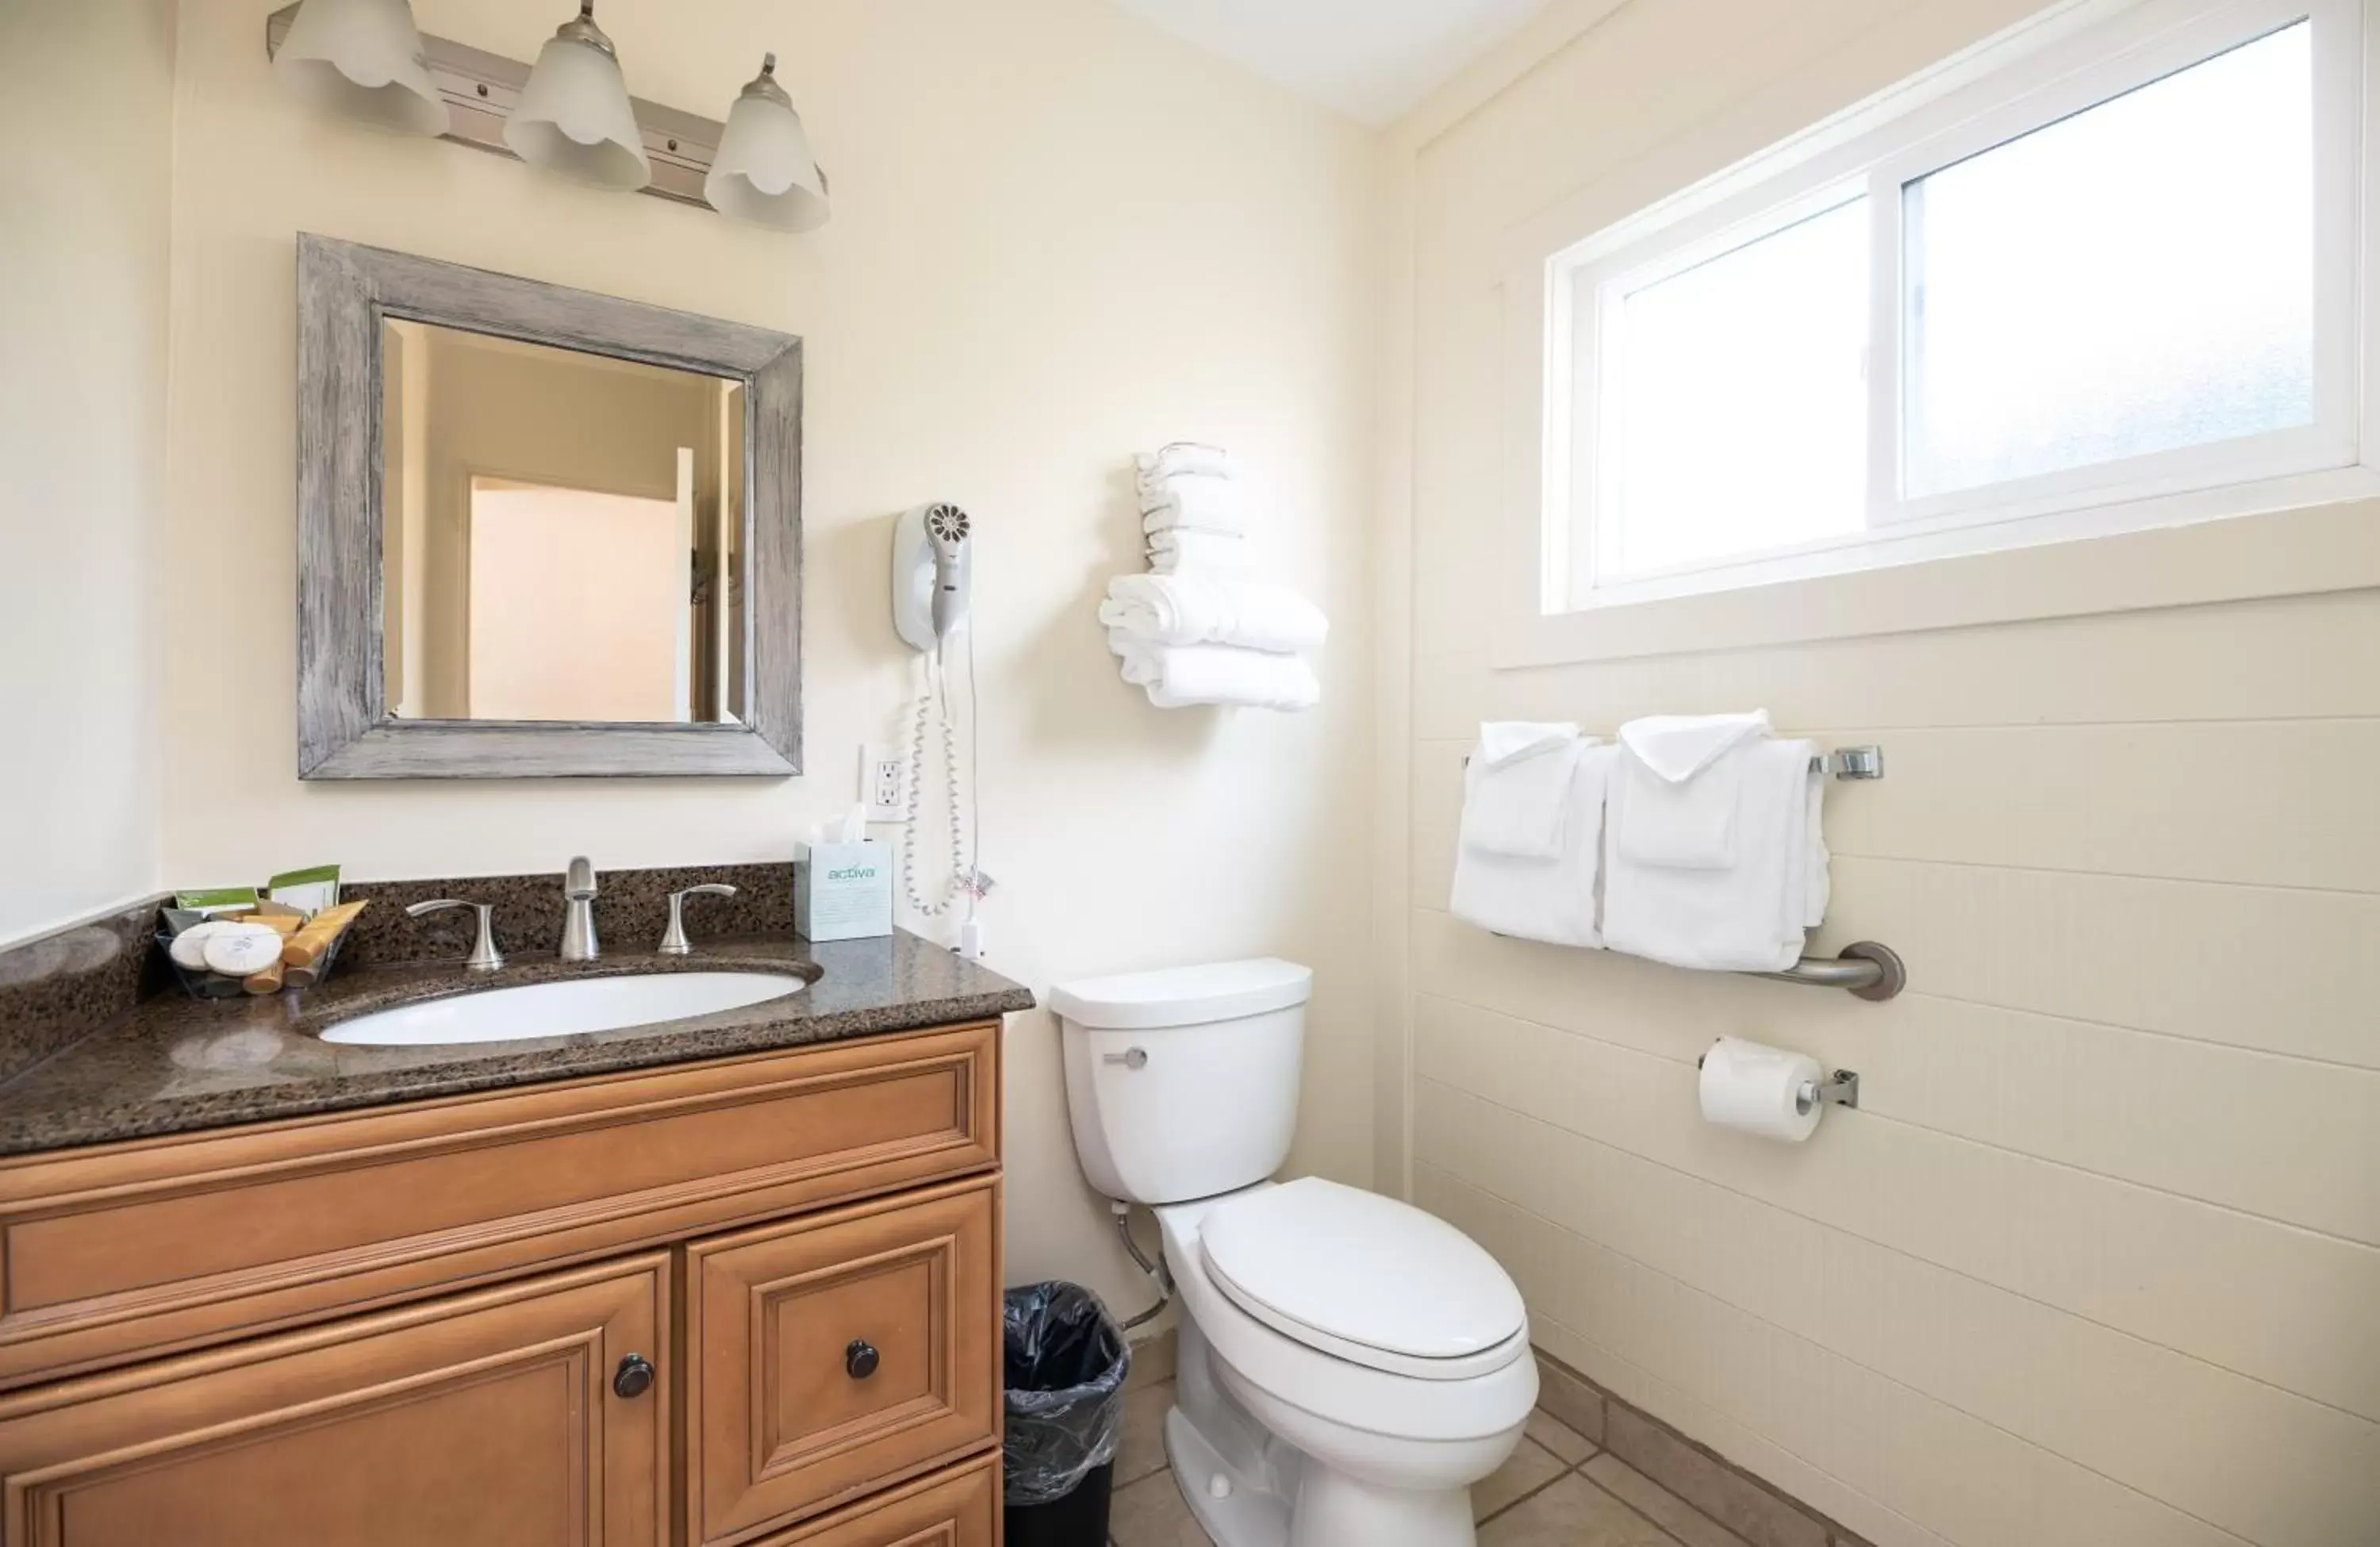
(1349, 1365)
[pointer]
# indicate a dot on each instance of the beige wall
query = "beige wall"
(2097, 1264)
(83, 250)
(1059, 236)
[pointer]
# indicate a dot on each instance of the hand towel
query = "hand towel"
(1187, 550)
(1748, 916)
(1177, 677)
(1503, 742)
(1201, 504)
(1681, 779)
(1549, 899)
(1516, 796)
(1210, 609)
(1185, 458)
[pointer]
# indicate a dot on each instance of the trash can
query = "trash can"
(1066, 1363)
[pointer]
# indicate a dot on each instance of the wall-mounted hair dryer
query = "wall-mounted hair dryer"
(930, 583)
(930, 574)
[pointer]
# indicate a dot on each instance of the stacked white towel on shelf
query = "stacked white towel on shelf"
(1191, 608)
(1201, 629)
(1695, 841)
(1185, 549)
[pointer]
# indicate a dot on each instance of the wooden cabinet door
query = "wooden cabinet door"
(957, 1508)
(831, 1356)
(485, 1420)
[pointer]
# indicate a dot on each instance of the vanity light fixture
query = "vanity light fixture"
(764, 174)
(364, 60)
(574, 116)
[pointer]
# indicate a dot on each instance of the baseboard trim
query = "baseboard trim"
(1755, 1509)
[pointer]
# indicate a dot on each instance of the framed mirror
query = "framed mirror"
(540, 533)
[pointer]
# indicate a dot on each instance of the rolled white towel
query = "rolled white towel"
(1199, 503)
(1179, 550)
(1185, 457)
(1177, 677)
(1213, 609)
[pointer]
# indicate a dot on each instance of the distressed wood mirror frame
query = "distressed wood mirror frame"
(345, 730)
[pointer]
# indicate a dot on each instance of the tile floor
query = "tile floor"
(1559, 1490)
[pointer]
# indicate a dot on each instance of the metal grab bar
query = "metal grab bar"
(1866, 970)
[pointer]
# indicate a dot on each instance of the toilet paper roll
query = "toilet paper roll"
(1758, 1089)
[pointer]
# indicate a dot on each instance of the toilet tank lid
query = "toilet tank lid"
(1183, 996)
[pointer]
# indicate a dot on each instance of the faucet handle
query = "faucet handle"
(673, 941)
(484, 957)
(578, 881)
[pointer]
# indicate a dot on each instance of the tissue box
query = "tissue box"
(842, 891)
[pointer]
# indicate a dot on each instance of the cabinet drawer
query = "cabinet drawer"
(957, 1508)
(828, 1356)
(131, 1251)
(485, 1420)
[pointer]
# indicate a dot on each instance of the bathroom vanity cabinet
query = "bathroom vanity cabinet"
(754, 1299)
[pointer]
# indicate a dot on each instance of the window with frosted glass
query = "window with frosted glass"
(2135, 279)
(1734, 403)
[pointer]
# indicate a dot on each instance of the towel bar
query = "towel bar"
(1867, 969)
(1843, 763)
(1851, 763)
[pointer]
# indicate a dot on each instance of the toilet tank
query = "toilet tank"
(1182, 1083)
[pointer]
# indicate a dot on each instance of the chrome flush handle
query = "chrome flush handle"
(1131, 1058)
(673, 941)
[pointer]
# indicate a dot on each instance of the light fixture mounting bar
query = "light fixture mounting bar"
(481, 88)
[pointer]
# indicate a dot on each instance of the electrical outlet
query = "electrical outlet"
(885, 784)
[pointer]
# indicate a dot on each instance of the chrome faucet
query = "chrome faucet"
(484, 957)
(674, 939)
(578, 912)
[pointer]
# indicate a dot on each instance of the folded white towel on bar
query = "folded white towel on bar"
(1745, 914)
(1516, 797)
(1198, 503)
(1185, 458)
(1551, 898)
(1683, 787)
(1178, 677)
(1213, 609)
(1187, 550)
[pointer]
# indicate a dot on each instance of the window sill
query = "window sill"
(2305, 551)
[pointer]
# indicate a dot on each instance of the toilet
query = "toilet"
(1349, 1365)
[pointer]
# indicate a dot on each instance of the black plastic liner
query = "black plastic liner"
(1066, 1364)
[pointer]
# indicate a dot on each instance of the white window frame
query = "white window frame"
(2067, 60)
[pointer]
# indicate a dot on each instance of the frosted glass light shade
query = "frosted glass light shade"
(362, 59)
(763, 173)
(574, 115)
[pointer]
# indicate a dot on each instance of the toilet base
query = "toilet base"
(1331, 1509)
(1234, 1510)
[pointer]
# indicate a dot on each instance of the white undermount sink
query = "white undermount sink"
(506, 1015)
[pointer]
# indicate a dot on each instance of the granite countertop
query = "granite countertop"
(174, 1064)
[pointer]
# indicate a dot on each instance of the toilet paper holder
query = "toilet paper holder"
(1838, 1089)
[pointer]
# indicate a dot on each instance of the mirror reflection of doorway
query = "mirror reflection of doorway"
(581, 602)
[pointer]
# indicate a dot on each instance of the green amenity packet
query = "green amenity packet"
(310, 891)
(211, 900)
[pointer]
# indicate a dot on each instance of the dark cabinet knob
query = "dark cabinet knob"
(635, 1376)
(859, 1360)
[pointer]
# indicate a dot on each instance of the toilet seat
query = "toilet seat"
(1364, 1278)
(1342, 1391)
